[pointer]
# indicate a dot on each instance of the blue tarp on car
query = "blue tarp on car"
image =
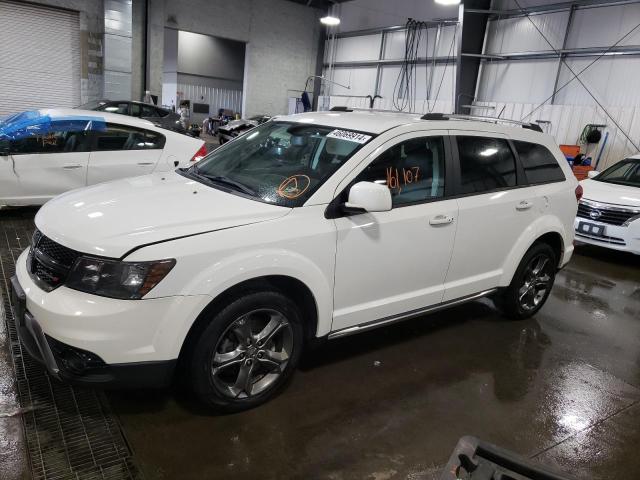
(25, 124)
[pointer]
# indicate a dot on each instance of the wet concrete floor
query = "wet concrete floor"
(562, 388)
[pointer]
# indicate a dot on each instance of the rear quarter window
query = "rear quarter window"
(539, 164)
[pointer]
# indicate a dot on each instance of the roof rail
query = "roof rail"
(457, 116)
(446, 116)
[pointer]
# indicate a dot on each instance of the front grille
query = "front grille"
(605, 213)
(49, 262)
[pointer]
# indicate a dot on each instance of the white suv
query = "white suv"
(310, 226)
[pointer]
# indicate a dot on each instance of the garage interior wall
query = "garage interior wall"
(367, 52)
(519, 85)
(281, 36)
(369, 64)
(203, 69)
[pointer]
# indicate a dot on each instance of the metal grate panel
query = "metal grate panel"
(70, 432)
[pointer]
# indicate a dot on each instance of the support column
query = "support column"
(117, 49)
(170, 69)
(155, 47)
(472, 29)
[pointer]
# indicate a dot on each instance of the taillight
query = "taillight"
(578, 192)
(200, 154)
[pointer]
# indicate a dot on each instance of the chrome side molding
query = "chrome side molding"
(407, 315)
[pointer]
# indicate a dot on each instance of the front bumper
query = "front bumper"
(77, 366)
(87, 339)
(625, 239)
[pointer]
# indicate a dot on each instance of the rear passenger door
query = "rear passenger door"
(495, 209)
(123, 151)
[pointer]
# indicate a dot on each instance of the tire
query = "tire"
(531, 284)
(248, 352)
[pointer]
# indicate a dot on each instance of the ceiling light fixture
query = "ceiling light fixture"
(448, 2)
(330, 21)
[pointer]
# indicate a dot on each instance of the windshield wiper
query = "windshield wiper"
(227, 181)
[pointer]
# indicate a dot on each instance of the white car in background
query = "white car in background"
(609, 212)
(47, 152)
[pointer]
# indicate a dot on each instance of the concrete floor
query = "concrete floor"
(562, 388)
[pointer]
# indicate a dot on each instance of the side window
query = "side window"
(121, 137)
(413, 170)
(135, 110)
(540, 166)
(485, 164)
(52, 142)
(116, 107)
(148, 111)
(153, 140)
(162, 113)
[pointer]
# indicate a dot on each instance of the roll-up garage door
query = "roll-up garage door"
(39, 57)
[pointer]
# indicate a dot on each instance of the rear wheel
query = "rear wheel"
(248, 352)
(531, 284)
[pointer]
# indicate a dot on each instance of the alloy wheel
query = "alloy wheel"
(537, 280)
(252, 354)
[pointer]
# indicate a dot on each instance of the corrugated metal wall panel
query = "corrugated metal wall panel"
(612, 80)
(589, 29)
(365, 47)
(39, 57)
(511, 35)
(517, 81)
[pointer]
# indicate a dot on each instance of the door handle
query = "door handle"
(441, 220)
(524, 205)
(144, 164)
(72, 166)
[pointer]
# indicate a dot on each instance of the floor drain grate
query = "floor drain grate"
(69, 431)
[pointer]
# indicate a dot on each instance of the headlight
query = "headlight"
(632, 219)
(116, 279)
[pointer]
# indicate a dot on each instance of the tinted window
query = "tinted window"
(162, 113)
(148, 111)
(52, 142)
(485, 164)
(115, 107)
(540, 166)
(135, 110)
(121, 137)
(413, 170)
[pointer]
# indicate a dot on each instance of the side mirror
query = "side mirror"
(593, 173)
(368, 197)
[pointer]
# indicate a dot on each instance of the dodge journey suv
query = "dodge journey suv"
(317, 225)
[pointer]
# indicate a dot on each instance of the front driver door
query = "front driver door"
(48, 164)
(391, 263)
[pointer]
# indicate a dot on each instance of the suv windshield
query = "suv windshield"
(626, 172)
(279, 162)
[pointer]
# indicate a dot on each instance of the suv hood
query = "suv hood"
(611, 193)
(109, 219)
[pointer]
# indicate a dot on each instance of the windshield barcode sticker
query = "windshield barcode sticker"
(349, 136)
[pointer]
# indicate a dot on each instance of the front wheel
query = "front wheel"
(248, 352)
(531, 284)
